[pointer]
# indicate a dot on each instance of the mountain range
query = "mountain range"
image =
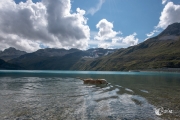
(10, 53)
(51, 58)
(162, 51)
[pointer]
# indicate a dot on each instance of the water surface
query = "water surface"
(59, 95)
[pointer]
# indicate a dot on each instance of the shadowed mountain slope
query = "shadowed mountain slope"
(10, 53)
(56, 59)
(7, 66)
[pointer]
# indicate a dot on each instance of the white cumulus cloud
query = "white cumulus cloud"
(169, 15)
(131, 39)
(27, 25)
(109, 38)
(106, 31)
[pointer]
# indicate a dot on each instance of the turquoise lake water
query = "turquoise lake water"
(60, 95)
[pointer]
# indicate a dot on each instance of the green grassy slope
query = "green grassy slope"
(153, 53)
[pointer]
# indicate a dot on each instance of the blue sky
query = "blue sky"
(128, 16)
(83, 24)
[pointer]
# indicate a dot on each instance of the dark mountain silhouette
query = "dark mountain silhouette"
(51, 52)
(56, 59)
(11, 53)
(7, 66)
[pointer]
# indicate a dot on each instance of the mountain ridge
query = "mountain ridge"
(173, 29)
(57, 59)
(11, 53)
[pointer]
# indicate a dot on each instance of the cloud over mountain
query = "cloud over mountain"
(27, 26)
(106, 31)
(169, 15)
(109, 38)
(131, 39)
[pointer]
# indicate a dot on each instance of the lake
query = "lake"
(59, 95)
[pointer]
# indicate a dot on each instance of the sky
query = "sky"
(30, 25)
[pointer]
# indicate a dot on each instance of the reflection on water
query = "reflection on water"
(63, 97)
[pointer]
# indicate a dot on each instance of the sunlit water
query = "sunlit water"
(59, 95)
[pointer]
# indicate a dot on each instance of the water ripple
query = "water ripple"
(68, 98)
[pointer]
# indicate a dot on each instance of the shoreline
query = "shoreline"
(174, 70)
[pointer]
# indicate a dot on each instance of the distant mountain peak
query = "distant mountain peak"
(50, 52)
(14, 50)
(11, 53)
(171, 30)
(10, 49)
